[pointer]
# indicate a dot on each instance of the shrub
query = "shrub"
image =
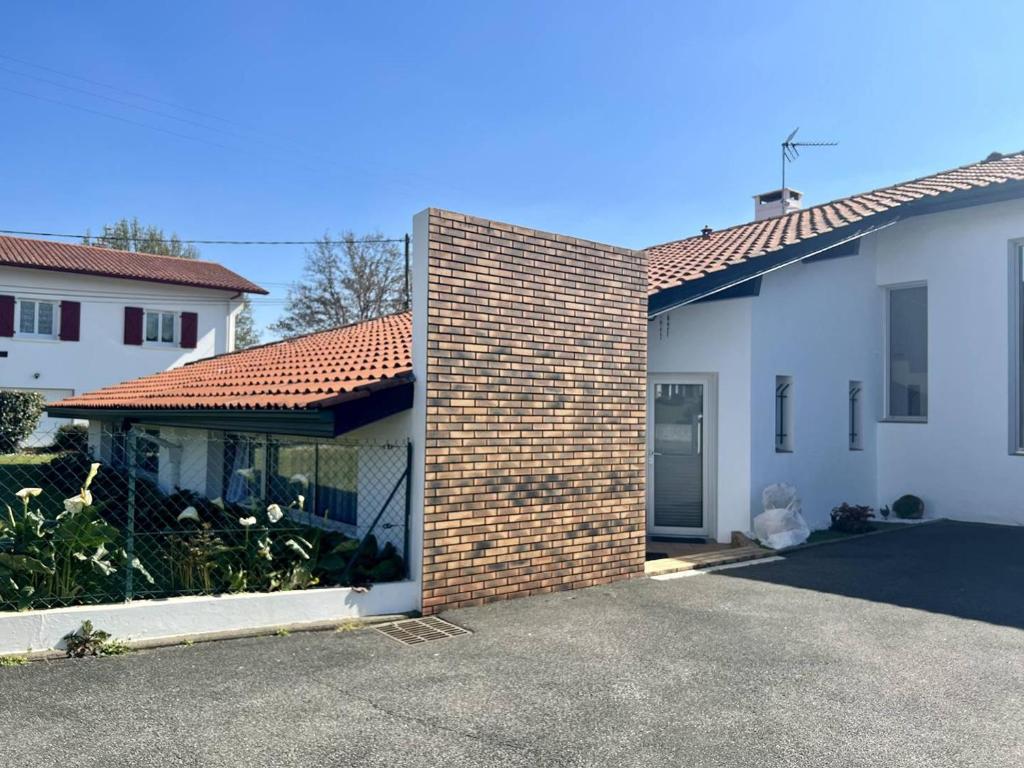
(908, 507)
(71, 437)
(89, 641)
(19, 416)
(852, 518)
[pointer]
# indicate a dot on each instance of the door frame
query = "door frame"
(709, 448)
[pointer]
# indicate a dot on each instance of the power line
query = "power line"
(367, 240)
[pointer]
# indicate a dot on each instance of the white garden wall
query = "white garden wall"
(188, 616)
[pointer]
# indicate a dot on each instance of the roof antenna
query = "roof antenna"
(791, 153)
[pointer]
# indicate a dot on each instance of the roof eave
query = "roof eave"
(686, 293)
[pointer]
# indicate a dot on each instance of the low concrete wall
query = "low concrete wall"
(152, 619)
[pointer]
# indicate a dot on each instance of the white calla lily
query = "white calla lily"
(274, 513)
(246, 522)
(75, 504)
(25, 493)
(301, 501)
(189, 513)
(93, 469)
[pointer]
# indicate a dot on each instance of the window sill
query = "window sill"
(784, 450)
(27, 337)
(902, 420)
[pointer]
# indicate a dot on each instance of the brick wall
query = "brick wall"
(536, 409)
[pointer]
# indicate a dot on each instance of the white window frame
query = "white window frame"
(18, 333)
(1016, 339)
(886, 356)
(160, 313)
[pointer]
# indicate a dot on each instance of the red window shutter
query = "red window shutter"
(133, 325)
(189, 329)
(6, 315)
(70, 320)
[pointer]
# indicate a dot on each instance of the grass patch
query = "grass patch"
(21, 459)
(830, 535)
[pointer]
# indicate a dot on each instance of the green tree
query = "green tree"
(246, 332)
(131, 235)
(344, 280)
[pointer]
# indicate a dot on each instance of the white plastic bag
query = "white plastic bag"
(780, 525)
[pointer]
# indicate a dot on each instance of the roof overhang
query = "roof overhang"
(726, 279)
(324, 422)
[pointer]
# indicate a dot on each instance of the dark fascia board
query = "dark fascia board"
(313, 423)
(727, 279)
(323, 422)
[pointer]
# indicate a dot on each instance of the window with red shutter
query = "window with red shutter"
(6, 315)
(133, 325)
(70, 320)
(189, 329)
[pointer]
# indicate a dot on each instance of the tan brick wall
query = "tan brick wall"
(536, 387)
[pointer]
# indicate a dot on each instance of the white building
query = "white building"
(75, 318)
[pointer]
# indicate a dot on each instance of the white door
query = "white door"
(680, 440)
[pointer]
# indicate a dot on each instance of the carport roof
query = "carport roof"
(314, 371)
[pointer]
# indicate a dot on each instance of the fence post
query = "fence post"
(408, 505)
(129, 532)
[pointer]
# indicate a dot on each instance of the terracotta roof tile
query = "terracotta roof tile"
(303, 372)
(672, 264)
(106, 262)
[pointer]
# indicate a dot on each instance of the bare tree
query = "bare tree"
(344, 280)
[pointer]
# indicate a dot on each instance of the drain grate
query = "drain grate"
(415, 631)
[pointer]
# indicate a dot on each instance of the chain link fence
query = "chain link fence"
(174, 511)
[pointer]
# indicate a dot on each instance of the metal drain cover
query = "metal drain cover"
(416, 631)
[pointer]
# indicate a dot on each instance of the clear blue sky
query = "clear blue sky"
(630, 123)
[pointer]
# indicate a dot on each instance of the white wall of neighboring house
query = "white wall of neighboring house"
(714, 337)
(959, 461)
(100, 358)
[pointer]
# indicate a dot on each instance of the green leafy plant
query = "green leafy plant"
(12, 661)
(59, 559)
(85, 641)
(19, 416)
(852, 518)
(908, 507)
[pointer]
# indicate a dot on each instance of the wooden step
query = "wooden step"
(705, 559)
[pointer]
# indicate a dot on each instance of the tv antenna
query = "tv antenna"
(790, 150)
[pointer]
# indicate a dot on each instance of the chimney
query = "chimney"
(768, 205)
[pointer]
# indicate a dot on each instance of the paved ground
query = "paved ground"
(903, 649)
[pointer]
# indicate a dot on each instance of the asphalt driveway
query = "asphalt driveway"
(902, 649)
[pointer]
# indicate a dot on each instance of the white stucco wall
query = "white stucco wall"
(959, 461)
(101, 358)
(714, 337)
(819, 322)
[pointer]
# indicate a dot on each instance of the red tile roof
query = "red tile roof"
(681, 261)
(313, 371)
(90, 260)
